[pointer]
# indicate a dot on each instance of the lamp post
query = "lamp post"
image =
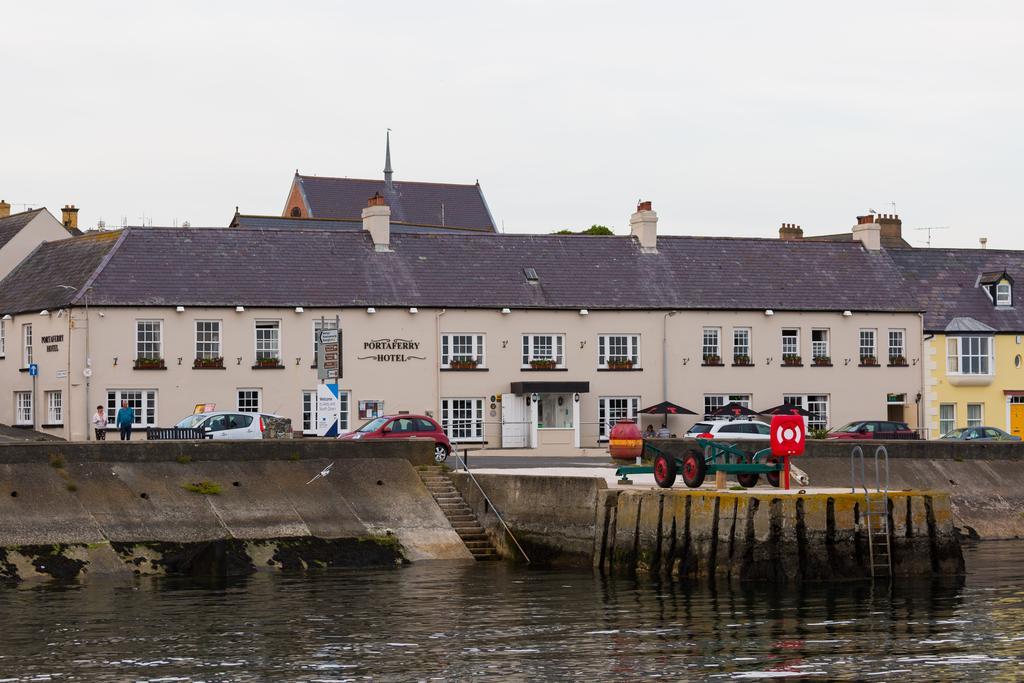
(88, 359)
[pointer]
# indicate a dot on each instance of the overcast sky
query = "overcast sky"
(731, 117)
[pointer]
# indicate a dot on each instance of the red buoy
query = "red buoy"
(625, 441)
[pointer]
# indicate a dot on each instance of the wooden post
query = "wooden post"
(719, 480)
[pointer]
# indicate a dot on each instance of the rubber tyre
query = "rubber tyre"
(440, 453)
(664, 471)
(747, 480)
(774, 478)
(694, 470)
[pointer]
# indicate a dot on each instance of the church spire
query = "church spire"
(387, 163)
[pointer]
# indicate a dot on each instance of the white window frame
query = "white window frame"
(975, 358)
(711, 342)
(476, 343)
(716, 401)
(897, 343)
(146, 414)
(629, 411)
(795, 349)
(467, 429)
(157, 339)
(209, 341)
(26, 345)
(54, 407)
(947, 425)
(979, 420)
(260, 346)
(308, 412)
(23, 408)
(248, 408)
(822, 418)
(557, 348)
(744, 348)
(1004, 294)
(3, 338)
(820, 348)
(867, 343)
(605, 342)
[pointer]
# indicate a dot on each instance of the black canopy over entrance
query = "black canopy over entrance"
(787, 409)
(521, 388)
(734, 410)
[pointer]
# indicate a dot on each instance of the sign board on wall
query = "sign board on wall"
(328, 410)
(328, 354)
(384, 350)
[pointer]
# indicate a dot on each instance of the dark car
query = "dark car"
(404, 427)
(980, 434)
(873, 429)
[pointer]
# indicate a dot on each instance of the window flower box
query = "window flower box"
(208, 363)
(620, 363)
(543, 364)
(150, 364)
(897, 361)
(268, 363)
(742, 359)
(712, 359)
(868, 362)
(463, 363)
(822, 361)
(792, 360)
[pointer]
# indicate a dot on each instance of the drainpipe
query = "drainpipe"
(437, 364)
(664, 354)
(66, 398)
(924, 379)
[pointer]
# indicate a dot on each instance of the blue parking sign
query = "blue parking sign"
(33, 369)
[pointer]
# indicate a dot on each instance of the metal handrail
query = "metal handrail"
(491, 504)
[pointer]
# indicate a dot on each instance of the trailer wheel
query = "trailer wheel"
(694, 470)
(774, 478)
(664, 471)
(747, 480)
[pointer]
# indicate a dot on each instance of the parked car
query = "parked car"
(979, 434)
(731, 430)
(873, 429)
(404, 427)
(225, 424)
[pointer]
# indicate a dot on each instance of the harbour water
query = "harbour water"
(464, 621)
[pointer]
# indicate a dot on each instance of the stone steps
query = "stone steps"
(459, 514)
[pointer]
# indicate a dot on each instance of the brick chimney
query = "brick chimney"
(5, 209)
(790, 231)
(377, 222)
(890, 225)
(644, 226)
(69, 215)
(868, 233)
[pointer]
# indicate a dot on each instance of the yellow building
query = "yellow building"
(974, 337)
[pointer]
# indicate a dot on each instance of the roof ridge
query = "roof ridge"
(355, 220)
(395, 183)
(23, 213)
(102, 264)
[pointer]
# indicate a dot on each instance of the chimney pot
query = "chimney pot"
(861, 220)
(643, 206)
(376, 200)
(791, 231)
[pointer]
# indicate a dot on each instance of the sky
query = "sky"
(731, 117)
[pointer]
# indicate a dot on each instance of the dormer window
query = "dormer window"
(1003, 294)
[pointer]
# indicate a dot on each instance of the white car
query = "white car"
(226, 424)
(731, 430)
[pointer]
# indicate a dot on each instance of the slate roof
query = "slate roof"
(34, 284)
(886, 241)
(323, 268)
(284, 222)
(12, 225)
(959, 325)
(944, 283)
(437, 204)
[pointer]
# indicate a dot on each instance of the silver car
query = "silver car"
(226, 424)
(731, 430)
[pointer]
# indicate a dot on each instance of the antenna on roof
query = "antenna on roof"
(928, 242)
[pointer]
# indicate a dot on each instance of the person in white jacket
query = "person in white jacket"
(99, 423)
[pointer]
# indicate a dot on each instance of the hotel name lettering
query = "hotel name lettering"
(394, 350)
(52, 342)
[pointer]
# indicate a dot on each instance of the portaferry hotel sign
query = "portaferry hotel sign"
(391, 350)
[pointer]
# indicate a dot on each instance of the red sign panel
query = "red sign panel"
(788, 435)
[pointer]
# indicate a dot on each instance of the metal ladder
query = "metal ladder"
(876, 511)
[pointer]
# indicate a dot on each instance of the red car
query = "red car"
(873, 429)
(404, 427)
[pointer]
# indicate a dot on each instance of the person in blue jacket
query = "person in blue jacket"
(125, 418)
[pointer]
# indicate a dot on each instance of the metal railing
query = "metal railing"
(491, 506)
(175, 433)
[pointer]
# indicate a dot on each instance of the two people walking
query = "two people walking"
(124, 420)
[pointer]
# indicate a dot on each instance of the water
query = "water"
(490, 621)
